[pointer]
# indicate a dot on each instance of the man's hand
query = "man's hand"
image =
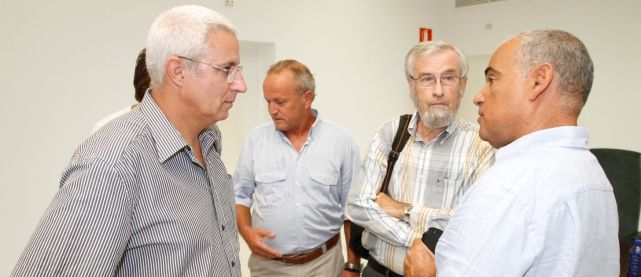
(254, 236)
(390, 206)
(419, 261)
(254, 239)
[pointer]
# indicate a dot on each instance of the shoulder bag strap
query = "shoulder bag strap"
(400, 139)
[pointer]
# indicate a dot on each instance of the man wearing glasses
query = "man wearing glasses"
(443, 157)
(295, 174)
(545, 208)
(148, 195)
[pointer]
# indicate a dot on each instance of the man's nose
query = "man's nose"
(437, 89)
(239, 84)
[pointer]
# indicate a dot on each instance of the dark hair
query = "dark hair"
(141, 76)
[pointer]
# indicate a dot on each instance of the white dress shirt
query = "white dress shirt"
(545, 208)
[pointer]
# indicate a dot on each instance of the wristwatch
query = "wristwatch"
(406, 213)
(352, 267)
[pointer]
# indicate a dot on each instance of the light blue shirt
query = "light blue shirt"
(545, 208)
(298, 195)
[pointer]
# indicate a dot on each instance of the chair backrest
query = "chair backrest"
(623, 169)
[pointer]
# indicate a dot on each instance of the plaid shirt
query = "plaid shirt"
(431, 176)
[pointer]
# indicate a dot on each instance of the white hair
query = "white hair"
(181, 31)
(427, 48)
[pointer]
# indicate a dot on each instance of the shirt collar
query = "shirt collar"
(168, 140)
(566, 136)
(212, 136)
(314, 127)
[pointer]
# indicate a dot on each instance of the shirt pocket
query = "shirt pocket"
(324, 179)
(322, 190)
(269, 177)
(270, 188)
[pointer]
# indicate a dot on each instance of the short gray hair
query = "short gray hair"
(427, 48)
(181, 31)
(569, 57)
(303, 78)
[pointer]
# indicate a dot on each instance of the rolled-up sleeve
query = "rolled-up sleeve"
(349, 169)
(243, 178)
(361, 208)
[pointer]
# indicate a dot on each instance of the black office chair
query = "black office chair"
(623, 169)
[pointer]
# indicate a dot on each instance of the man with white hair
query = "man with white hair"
(443, 157)
(148, 195)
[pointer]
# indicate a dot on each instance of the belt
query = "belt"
(310, 255)
(376, 266)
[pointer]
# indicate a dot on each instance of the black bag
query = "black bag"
(401, 137)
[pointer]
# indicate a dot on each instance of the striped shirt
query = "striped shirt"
(431, 176)
(134, 201)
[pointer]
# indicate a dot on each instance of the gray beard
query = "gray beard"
(436, 118)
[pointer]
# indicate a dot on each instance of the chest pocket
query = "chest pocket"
(270, 188)
(323, 189)
(270, 177)
(324, 179)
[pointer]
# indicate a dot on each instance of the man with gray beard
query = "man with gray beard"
(545, 208)
(443, 157)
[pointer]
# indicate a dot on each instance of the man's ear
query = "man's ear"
(541, 77)
(175, 69)
(308, 97)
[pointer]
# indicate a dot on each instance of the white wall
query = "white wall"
(610, 31)
(67, 63)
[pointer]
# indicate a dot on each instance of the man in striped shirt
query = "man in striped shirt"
(148, 195)
(443, 157)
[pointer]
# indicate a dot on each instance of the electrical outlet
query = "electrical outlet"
(229, 3)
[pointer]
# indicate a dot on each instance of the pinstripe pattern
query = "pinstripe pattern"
(135, 202)
(432, 177)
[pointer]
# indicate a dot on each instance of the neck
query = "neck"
(188, 127)
(546, 115)
(303, 128)
(428, 134)
(298, 136)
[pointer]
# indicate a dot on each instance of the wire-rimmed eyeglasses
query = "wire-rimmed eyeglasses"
(428, 80)
(231, 72)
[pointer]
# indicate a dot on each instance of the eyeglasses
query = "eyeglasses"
(231, 72)
(428, 80)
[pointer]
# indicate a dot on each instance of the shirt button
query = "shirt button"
(223, 227)
(233, 264)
